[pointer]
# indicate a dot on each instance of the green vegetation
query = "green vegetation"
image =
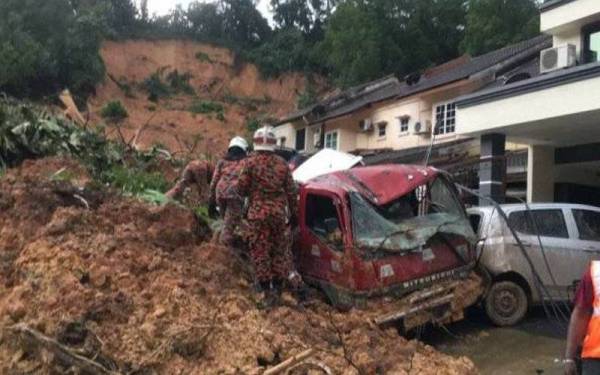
(206, 106)
(49, 45)
(252, 124)
(203, 57)
(162, 85)
(180, 83)
(124, 85)
(249, 103)
(30, 132)
(45, 46)
(155, 87)
(488, 26)
(114, 111)
(133, 180)
(308, 97)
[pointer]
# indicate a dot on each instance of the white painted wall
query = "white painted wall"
(507, 113)
(571, 15)
(289, 132)
(569, 37)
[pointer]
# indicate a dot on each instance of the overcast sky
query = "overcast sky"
(161, 7)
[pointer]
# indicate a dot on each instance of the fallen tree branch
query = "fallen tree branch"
(347, 355)
(314, 365)
(292, 361)
(62, 352)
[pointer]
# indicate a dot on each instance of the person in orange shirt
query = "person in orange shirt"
(584, 327)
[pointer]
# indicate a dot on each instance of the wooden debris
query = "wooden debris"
(292, 361)
(66, 355)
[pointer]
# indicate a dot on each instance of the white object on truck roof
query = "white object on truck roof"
(323, 162)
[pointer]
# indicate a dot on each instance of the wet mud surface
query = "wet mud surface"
(534, 346)
(139, 289)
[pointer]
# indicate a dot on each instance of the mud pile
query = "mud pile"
(136, 290)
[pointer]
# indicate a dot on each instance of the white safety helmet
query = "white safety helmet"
(239, 142)
(264, 139)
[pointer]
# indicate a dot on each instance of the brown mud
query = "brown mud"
(216, 75)
(136, 289)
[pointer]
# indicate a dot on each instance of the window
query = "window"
(445, 118)
(549, 223)
(301, 139)
(381, 128)
(322, 219)
(331, 140)
(404, 120)
(588, 224)
(591, 43)
(475, 220)
(282, 141)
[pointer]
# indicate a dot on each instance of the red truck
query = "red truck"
(393, 240)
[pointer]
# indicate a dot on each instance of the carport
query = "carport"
(557, 116)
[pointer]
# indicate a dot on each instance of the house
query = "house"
(552, 105)
(389, 114)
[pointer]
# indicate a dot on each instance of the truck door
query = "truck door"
(322, 244)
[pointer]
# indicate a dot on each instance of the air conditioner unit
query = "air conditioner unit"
(557, 58)
(366, 125)
(422, 127)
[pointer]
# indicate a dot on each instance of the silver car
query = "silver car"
(570, 238)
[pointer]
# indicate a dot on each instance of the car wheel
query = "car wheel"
(506, 303)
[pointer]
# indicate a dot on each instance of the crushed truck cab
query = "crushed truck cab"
(393, 239)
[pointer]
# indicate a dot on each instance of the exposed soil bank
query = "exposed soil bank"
(216, 76)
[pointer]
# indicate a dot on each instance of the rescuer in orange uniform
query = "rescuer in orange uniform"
(584, 328)
(197, 173)
(224, 193)
(267, 182)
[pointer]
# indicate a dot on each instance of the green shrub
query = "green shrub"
(134, 181)
(252, 124)
(155, 87)
(114, 111)
(206, 106)
(204, 57)
(180, 83)
(220, 116)
(173, 83)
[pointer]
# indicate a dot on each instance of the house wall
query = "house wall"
(569, 16)
(534, 107)
(569, 37)
(287, 131)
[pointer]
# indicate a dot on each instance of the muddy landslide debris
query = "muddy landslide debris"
(135, 289)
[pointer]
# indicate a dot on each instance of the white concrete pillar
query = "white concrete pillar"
(540, 174)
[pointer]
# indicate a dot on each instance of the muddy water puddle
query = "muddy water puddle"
(532, 347)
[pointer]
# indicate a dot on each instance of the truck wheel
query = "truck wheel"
(506, 303)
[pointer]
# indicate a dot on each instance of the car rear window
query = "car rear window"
(549, 223)
(588, 224)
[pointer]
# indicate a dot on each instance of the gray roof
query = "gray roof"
(541, 82)
(390, 87)
(412, 155)
(549, 4)
(350, 99)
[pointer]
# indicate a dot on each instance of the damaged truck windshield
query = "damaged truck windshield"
(408, 222)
